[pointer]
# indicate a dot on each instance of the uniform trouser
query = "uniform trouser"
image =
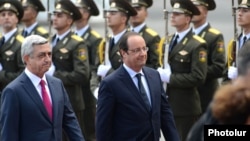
(89, 117)
(184, 124)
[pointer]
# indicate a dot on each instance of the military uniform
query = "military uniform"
(113, 53)
(215, 57)
(70, 57)
(10, 50)
(94, 42)
(37, 29)
(150, 36)
(188, 65)
(10, 59)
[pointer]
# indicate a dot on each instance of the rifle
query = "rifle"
(49, 18)
(234, 50)
(166, 40)
(106, 53)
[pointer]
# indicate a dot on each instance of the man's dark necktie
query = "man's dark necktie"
(143, 91)
(25, 33)
(46, 101)
(111, 43)
(174, 42)
(2, 41)
(244, 41)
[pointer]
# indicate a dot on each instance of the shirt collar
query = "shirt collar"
(30, 28)
(199, 29)
(182, 34)
(138, 28)
(131, 72)
(81, 31)
(63, 35)
(118, 36)
(34, 78)
(9, 34)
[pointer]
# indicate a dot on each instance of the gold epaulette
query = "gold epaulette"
(20, 38)
(198, 38)
(229, 52)
(78, 38)
(97, 35)
(101, 51)
(214, 31)
(42, 30)
(151, 32)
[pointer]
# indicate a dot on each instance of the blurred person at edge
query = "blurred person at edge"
(232, 98)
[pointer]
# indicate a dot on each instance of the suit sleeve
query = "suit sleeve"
(70, 122)
(104, 114)
(9, 109)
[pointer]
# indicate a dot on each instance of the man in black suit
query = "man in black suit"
(132, 104)
(35, 106)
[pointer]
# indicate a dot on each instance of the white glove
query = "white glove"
(1, 67)
(165, 74)
(232, 72)
(96, 92)
(51, 70)
(103, 70)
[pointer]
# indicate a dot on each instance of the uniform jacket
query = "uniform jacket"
(38, 30)
(115, 57)
(94, 43)
(122, 114)
(216, 61)
(70, 57)
(188, 62)
(152, 40)
(24, 117)
(10, 59)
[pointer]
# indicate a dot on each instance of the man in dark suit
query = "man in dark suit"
(32, 110)
(152, 38)
(187, 67)
(132, 104)
(31, 11)
(216, 59)
(11, 12)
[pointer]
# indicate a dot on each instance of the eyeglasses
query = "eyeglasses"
(138, 50)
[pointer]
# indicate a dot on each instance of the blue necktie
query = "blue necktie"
(143, 91)
(25, 33)
(2, 41)
(174, 42)
(111, 43)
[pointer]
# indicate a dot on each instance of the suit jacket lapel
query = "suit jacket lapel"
(32, 92)
(128, 82)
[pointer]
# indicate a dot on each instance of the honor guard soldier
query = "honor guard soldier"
(94, 42)
(70, 56)
(117, 20)
(11, 65)
(151, 37)
(31, 26)
(216, 59)
(243, 21)
(187, 67)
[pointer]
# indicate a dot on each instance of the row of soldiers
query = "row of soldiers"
(195, 62)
